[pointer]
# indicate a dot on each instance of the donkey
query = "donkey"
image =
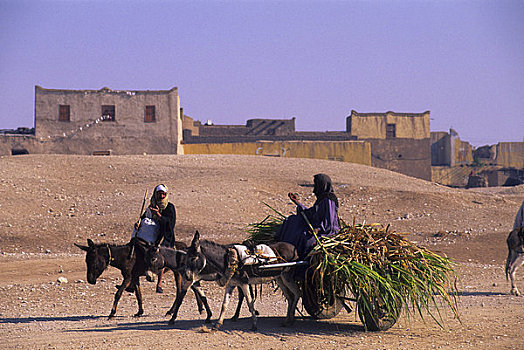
(515, 258)
(206, 258)
(158, 258)
(129, 261)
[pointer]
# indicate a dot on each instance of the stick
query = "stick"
(139, 220)
(142, 210)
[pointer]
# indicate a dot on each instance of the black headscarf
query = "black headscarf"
(323, 188)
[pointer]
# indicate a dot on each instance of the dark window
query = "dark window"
(391, 131)
(108, 113)
(150, 116)
(64, 113)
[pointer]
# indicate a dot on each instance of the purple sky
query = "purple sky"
(313, 60)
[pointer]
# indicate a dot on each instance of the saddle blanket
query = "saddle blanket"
(263, 254)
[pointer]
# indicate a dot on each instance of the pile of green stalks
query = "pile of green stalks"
(382, 270)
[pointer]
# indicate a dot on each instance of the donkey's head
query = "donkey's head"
(196, 261)
(154, 260)
(98, 258)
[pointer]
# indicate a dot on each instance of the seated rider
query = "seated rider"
(157, 224)
(322, 216)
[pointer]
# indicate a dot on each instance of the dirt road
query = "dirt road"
(50, 202)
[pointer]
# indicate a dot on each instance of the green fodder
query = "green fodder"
(264, 231)
(381, 269)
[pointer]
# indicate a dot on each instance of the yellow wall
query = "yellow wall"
(374, 127)
(463, 153)
(346, 151)
(510, 154)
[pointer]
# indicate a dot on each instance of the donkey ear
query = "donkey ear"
(83, 247)
(195, 244)
(90, 243)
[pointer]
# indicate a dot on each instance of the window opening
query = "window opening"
(150, 116)
(64, 113)
(108, 113)
(391, 131)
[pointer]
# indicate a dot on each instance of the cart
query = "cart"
(374, 317)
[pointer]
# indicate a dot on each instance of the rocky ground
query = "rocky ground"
(49, 202)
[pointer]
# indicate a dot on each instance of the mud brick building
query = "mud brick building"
(101, 121)
(399, 142)
(123, 122)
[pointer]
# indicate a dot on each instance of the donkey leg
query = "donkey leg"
(178, 283)
(225, 302)
(239, 305)
(286, 293)
(251, 305)
(118, 294)
(287, 279)
(198, 297)
(181, 293)
(138, 294)
(514, 265)
(203, 300)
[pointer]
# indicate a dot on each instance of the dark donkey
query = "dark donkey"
(129, 261)
(206, 258)
(158, 258)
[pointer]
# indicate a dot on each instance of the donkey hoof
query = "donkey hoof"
(111, 316)
(515, 292)
(169, 313)
(171, 322)
(138, 314)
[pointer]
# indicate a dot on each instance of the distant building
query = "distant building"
(399, 141)
(105, 120)
(254, 130)
(503, 154)
(448, 150)
(451, 159)
(501, 164)
(272, 137)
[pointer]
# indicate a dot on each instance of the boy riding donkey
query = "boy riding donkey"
(157, 224)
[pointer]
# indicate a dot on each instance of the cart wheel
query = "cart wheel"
(321, 311)
(379, 318)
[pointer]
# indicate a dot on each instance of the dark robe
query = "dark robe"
(166, 225)
(323, 215)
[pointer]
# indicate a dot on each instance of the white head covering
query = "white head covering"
(164, 202)
(161, 188)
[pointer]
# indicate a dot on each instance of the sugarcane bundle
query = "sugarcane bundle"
(381, 269)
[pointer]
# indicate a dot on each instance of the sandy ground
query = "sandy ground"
(50, 202)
